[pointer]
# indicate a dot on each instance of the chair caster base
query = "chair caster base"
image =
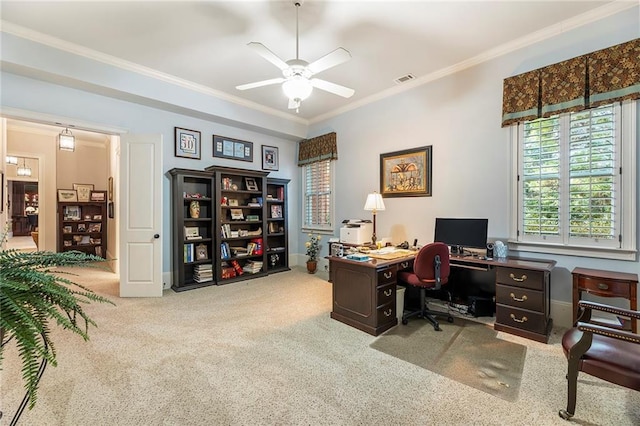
(565, 414)
(450, 319)
(404, 322)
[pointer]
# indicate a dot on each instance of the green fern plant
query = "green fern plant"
(34, 295)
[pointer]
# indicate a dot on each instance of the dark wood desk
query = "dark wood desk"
(605, 284)
(364, 293)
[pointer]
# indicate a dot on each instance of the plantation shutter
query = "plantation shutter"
(317, 194)
(541, 169)
(593, 173)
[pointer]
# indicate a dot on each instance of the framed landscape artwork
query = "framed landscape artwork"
(406, 173)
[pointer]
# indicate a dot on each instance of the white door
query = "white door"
(140, 216)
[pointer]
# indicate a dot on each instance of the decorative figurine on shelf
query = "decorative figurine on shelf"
(194, 209)
(274, 259)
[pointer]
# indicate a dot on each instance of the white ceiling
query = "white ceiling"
(206, 42)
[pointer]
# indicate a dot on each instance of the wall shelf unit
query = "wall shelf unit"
(240, 223)
(82, 226)
(193, 236)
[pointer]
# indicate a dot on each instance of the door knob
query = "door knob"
(156, 236)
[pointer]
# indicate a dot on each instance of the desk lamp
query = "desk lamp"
(374, 204)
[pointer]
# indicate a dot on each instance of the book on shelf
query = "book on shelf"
(203, 273)
(280, 193)
(237, 267)
(188, 253)
(252, 267)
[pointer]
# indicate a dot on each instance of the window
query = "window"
(318, 195)
(576, 183)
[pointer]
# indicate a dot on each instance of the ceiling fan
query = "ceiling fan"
(296, 81)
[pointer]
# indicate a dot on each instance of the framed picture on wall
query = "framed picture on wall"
(84, 191)
(187, 143)
(406, 173)
(269, 157)
(234, 149)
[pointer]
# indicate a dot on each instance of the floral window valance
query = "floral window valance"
(588, 81)
(316, 149)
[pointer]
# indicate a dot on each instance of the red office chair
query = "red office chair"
(430, 272)
(601, 350)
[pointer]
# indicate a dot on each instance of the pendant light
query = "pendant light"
(24, 170)
(66, 141)
(12, 160)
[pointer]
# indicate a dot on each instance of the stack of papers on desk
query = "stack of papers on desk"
(391, 253)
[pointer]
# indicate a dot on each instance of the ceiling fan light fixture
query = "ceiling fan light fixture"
(297, 88)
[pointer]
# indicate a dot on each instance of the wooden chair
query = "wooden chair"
(603, 351)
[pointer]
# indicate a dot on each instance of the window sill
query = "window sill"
(600, 253)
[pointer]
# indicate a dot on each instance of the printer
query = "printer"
(356, 231)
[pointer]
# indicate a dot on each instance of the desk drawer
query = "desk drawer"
(604, 287)
(406, 265)
(386, 313)
(518, 297)
(521, 318)
(386, 294)
(520, 278)
(387, 275)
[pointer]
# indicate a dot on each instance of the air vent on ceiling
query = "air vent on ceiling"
(404, 78)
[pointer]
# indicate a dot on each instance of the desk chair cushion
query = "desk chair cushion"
(615, 361)
(423, 274)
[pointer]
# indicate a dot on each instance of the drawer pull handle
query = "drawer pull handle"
(603, 286)
(388, 276)
(523, 299)
(388, 312)
(513, 277)
(388, 292)
(524, 319)
(404, 265)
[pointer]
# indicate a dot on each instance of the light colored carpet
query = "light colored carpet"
(465, 351)
(266, 352)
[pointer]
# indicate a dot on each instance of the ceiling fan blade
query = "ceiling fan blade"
(293, 104)
(262, 50)
(260, 83)
(336, 89)
(329, 60)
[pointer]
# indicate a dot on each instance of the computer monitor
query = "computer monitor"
(468, 233)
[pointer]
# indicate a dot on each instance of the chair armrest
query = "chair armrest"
(610, 309)
(609, 332)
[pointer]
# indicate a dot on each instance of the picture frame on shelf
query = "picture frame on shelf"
(72, 213)
(98, 196)
(187, 143)
(82, 227)
(234, 149)
(236, 214)
(202, 252)
(269, 157)
(233, 202)
(67, 196)
(406, 173)
(276, 211)
(67, 229)
(95, 227)
(84, 191)
(251, 184)
(97, 217)
(191, 232)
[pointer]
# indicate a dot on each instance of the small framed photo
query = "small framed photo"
(71, 213)
(187, 143)
(191, 232)
(67, 196)
(201, 252)
(236, 214)
(276, 211)
(84, 191)
(95, 227)
(97, 217)
(67, 229)
(233, 202)
(100, 196)
(251, 184)
(269, 157)
(82, 227)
